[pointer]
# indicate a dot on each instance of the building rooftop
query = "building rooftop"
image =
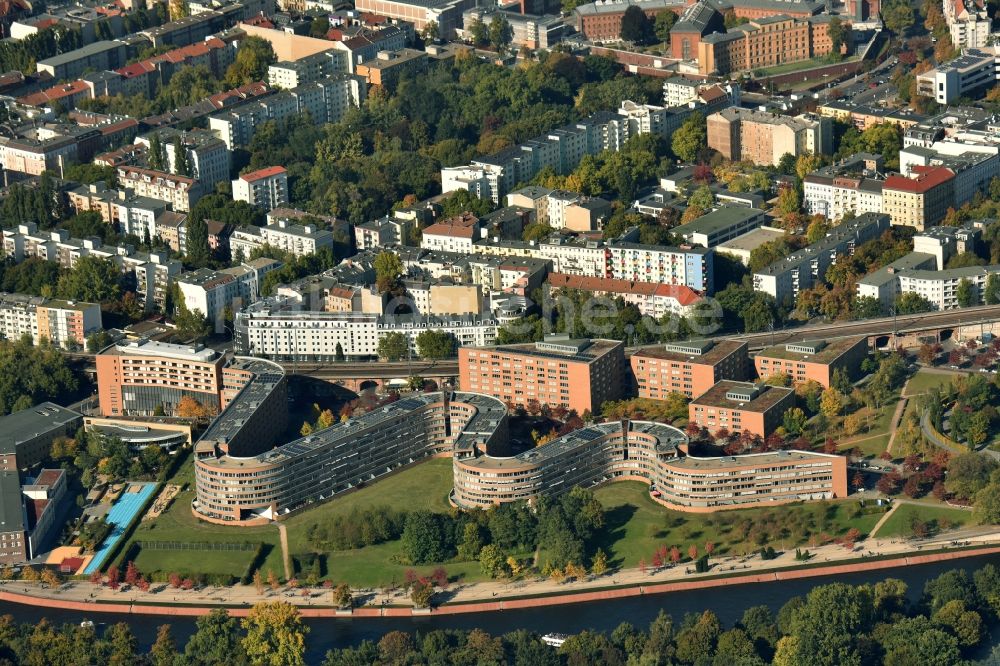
(12, 518)
(743, 395)
(732, 462)
(826, 351)
(165, 349)
(561, 347)
(717, 220)
(32, 422)
(702, 352)
(925, 179)
(752, 239)
(80, 53)
(683, 294)
(260, 174)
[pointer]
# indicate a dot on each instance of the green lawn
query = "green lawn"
(422, 486)
(189, 562)
(923, 381)
(177, 523)
(900, 523)
(636, 525)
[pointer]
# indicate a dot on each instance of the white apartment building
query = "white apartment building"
(153, 272)
(62, 323)
(270, 331)
(692, 267)
(381, 233)
(264, 188)
(137, 216)
(678, 91)
(296, 239)
(835, 197)
(207, 156)
(288, 74)
(326, 100)
(212, 292)
(561, 149)
(941, 287)
(968, 22)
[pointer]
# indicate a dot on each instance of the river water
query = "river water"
(727, 602)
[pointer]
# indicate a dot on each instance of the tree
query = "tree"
(599, 565)
(898, 16)
(690, 138)
(912, 303)
(424, 538)
(968, 473)
(479, 33)
(164, 650)
(182, 166)
(436, 345)
(388, 269)
(500, 33)
(342, 596)
(831, 402)
(196, 249)
(986, 507)
(991, 293)
(253, 58)
(636, 26)
(662, 24)
(838, 35)
(702, 198)
(966, 294)
(93, 280)
(493, 561)
(393, 346)
(431, 31)
(789, 201)
(472, 542)
(275, 634)
(155, 154)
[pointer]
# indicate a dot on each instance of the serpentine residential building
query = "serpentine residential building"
(240, 479)
(653, 453)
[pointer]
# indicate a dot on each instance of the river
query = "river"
(727, 602)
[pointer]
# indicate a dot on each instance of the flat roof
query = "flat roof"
(166, 349)
(834, 349)
(767, 398)
(31, 422)
(11, 506)
(583, 351)
(726, 462)
(719, 350)
(752, 239)
(721, 218)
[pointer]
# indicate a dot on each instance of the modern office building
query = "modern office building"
(576, 374)
(813, 360)
(691, 368)
(966, 76)
(764, 138)
(740, 407)
(26, 436)
(145, 377)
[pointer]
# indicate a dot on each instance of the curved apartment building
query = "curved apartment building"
(235, 486)
(654, 453)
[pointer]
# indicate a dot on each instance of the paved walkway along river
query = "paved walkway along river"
(499, 595)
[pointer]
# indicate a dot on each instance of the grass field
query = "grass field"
(178, 524)
(187, 562)
(636, 525)
(899, 523)
(923, 381)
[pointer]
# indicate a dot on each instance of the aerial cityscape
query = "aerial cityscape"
(463, 332)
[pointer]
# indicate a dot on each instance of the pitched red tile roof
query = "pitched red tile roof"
(926, 178)
(263, 173)
(681, 293)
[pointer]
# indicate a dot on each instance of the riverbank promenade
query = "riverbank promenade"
(869, 555)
